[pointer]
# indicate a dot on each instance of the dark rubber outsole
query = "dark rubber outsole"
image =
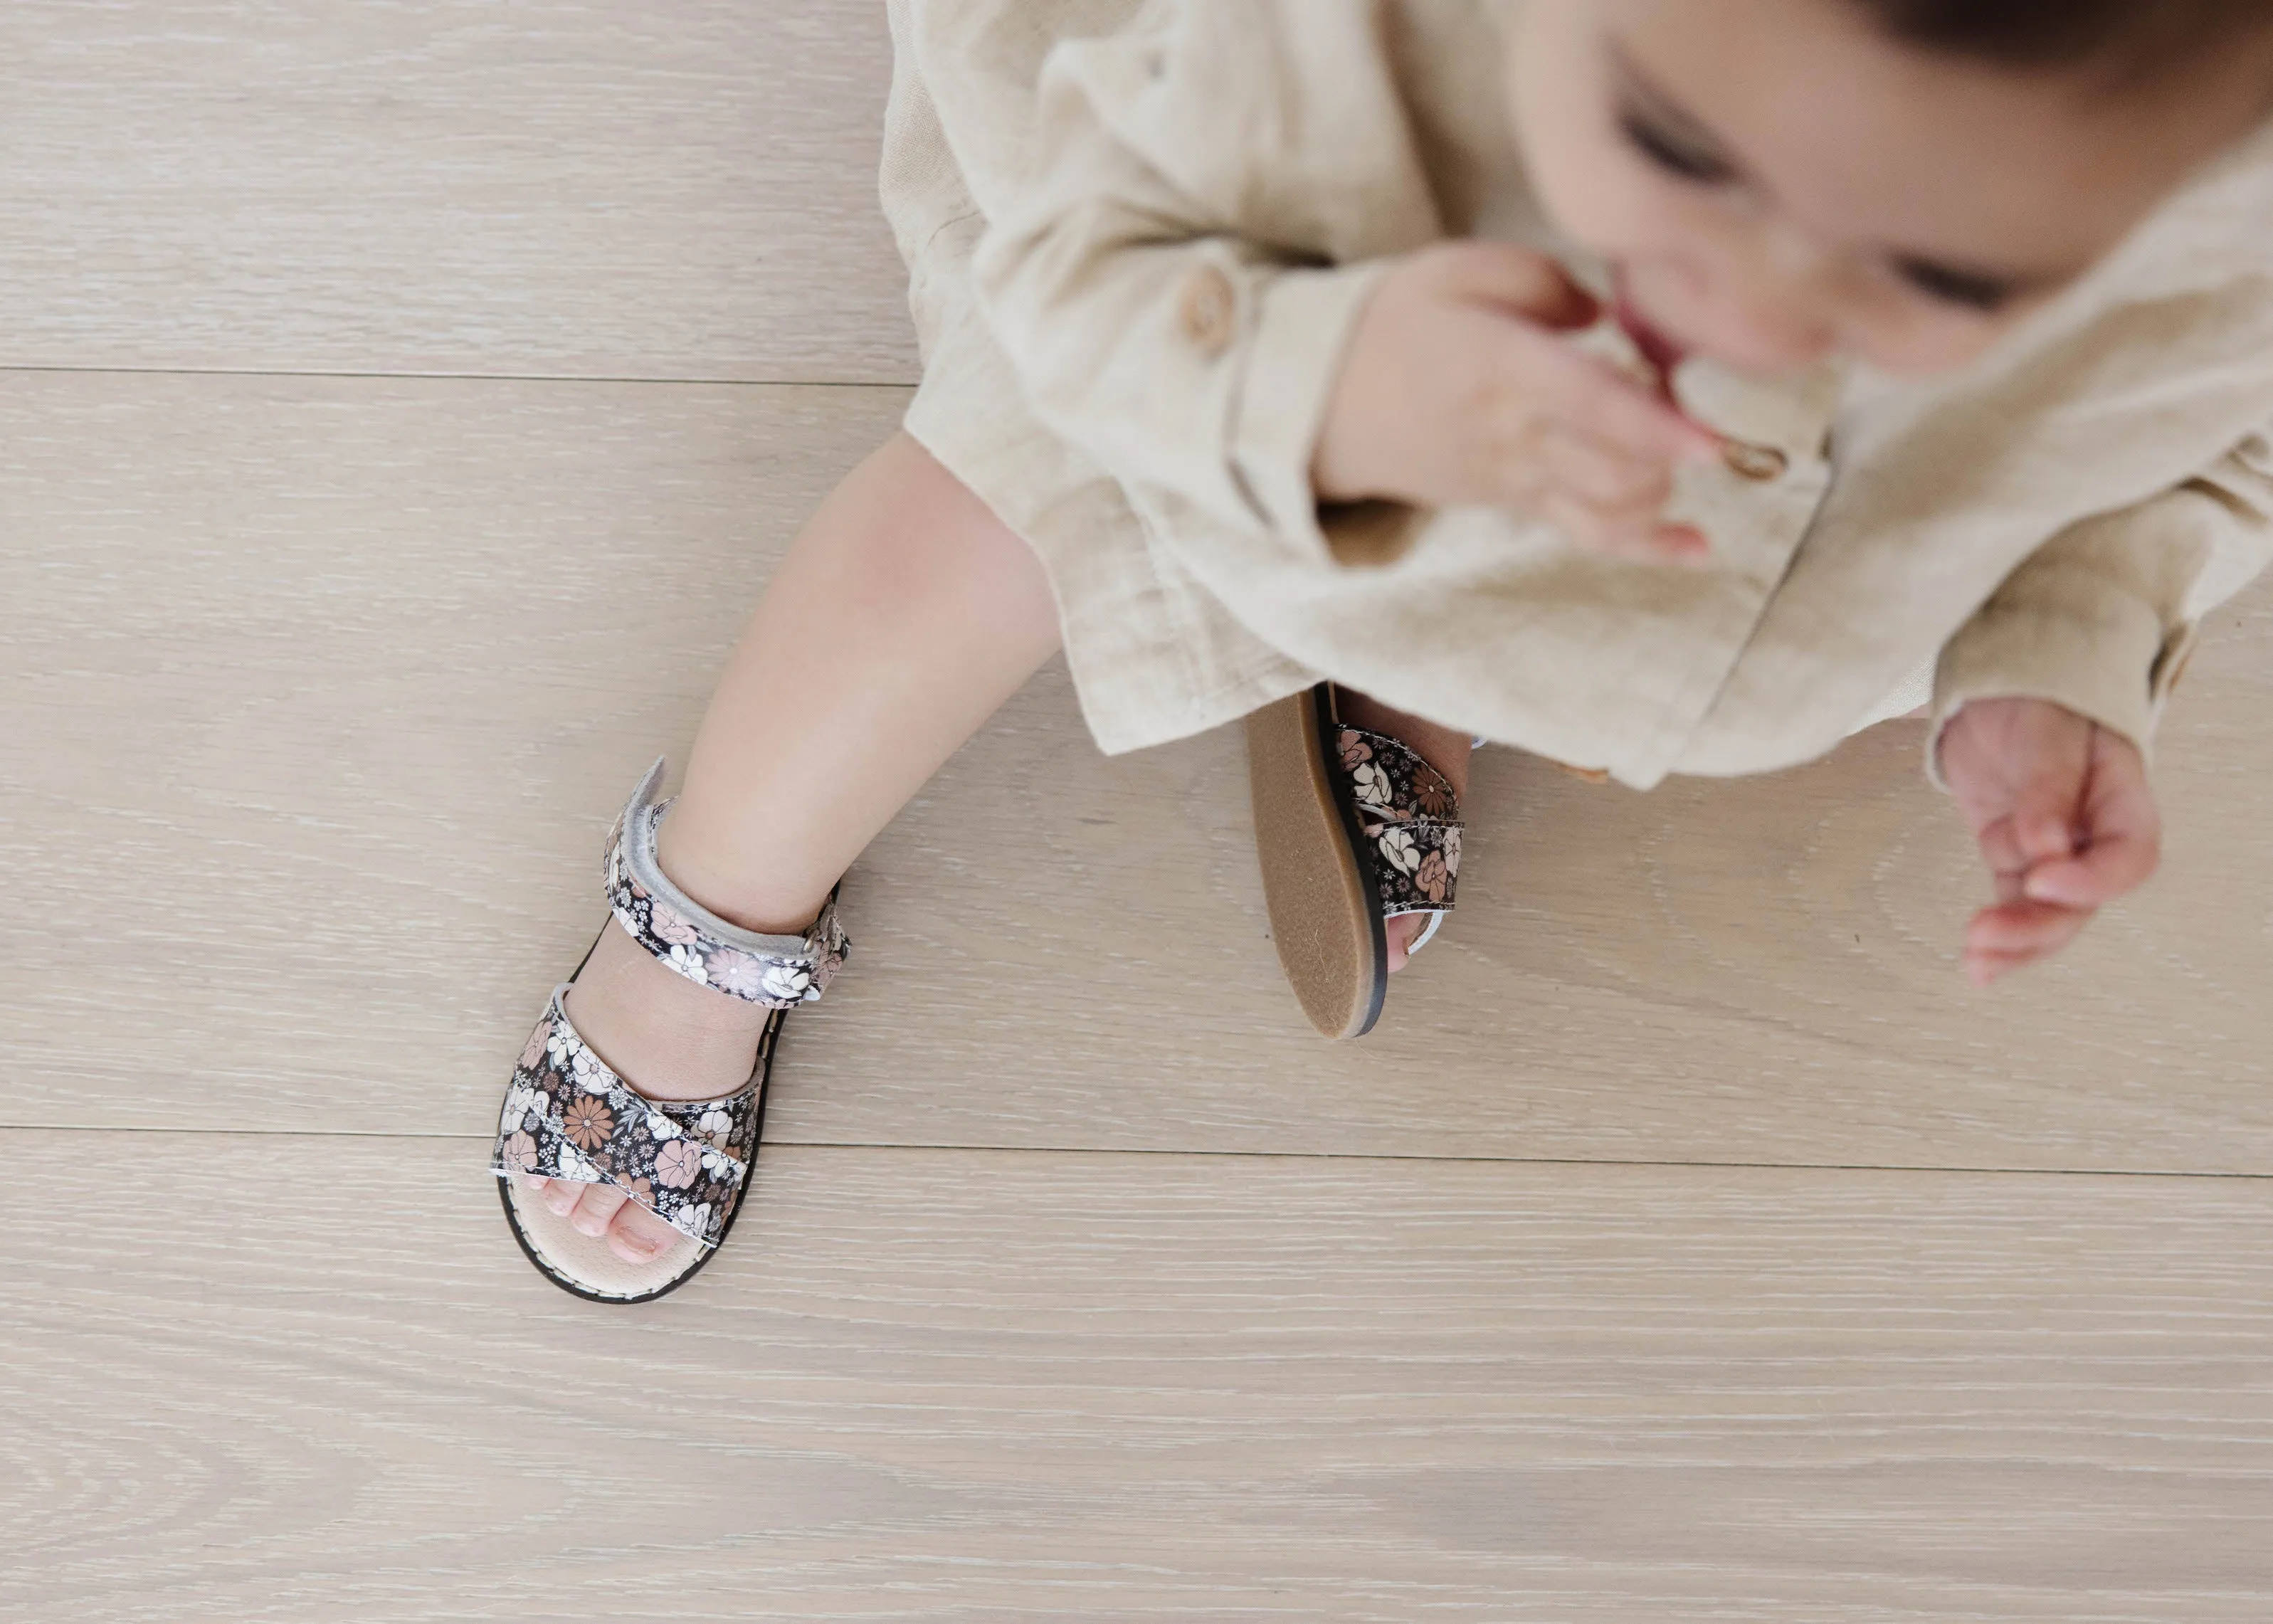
(1317, 882)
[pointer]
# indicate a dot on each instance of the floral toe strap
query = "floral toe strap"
(777, 972)
(1408, 809)
(567, 1116)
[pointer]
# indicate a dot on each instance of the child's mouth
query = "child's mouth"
(1660, 352)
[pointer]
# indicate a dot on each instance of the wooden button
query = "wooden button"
(1208, 311)
(1755, 462)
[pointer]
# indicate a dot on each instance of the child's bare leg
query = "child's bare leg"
(1446, 750)
(900, 620)
(904, 614)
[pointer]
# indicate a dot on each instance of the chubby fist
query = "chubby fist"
(1461, 387)
(2065, 819)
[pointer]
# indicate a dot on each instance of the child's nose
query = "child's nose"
(1776, 309)
(1777, 330)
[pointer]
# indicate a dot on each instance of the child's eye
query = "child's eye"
(1969, 288)
(1676, 157)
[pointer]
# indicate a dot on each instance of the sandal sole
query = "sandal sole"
(1325, 907)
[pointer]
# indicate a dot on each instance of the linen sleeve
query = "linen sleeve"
(2101, 617)
(1215, 192)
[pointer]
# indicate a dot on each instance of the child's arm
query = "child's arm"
(2100, 618)
(2046, 700)
(1220, 284)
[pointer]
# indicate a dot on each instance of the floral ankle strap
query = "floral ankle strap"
(777, 972)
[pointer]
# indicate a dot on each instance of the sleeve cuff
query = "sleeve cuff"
(2097, 650)
(1303, 329)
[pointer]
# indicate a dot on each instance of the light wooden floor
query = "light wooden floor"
(400, 407)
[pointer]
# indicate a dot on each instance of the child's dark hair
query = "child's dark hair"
(2126, 38)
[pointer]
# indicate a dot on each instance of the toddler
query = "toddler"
(1658, 386)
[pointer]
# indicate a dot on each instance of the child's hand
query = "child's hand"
(1457, 390)
(2065, 818)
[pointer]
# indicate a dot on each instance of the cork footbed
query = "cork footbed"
(1325, 915)
(583, 1264)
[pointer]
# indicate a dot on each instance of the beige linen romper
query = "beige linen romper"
(1138, 233)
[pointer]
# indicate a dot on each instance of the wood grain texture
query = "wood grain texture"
(317, 696)
(994, 1385)
(494, 186)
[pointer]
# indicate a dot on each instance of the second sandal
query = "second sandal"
(1353, 827)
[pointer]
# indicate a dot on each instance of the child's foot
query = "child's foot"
(666, 1038)
(1444, 749)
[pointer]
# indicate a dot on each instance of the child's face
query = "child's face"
(1777, 182)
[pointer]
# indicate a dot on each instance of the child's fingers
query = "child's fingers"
(1522, 281)
(1984, 968)
(2109, 866)
(2023, 930)
(1595, 471)
(1603, 498)
(1630, 532)
(1684, 544)
(2000, 849)
(1594, 399)
(2045, 807)
(2122, 840)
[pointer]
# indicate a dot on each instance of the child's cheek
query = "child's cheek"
(1593, 187)
(1904, 337)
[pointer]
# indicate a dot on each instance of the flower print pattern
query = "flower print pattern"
(785, 982)
(1433, 877)
(1370, 783)
(669, 926)
(1408, 811)
(677, 1164)
(775, 972)
(566, 1115)
(740, 974)
(587, 1123)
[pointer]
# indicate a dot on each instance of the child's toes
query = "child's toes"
(1402, 929)
(559, 1196)
(595, 1208)
(637, 1235)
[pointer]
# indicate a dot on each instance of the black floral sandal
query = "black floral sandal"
(567, 1116)
(1353, 827)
